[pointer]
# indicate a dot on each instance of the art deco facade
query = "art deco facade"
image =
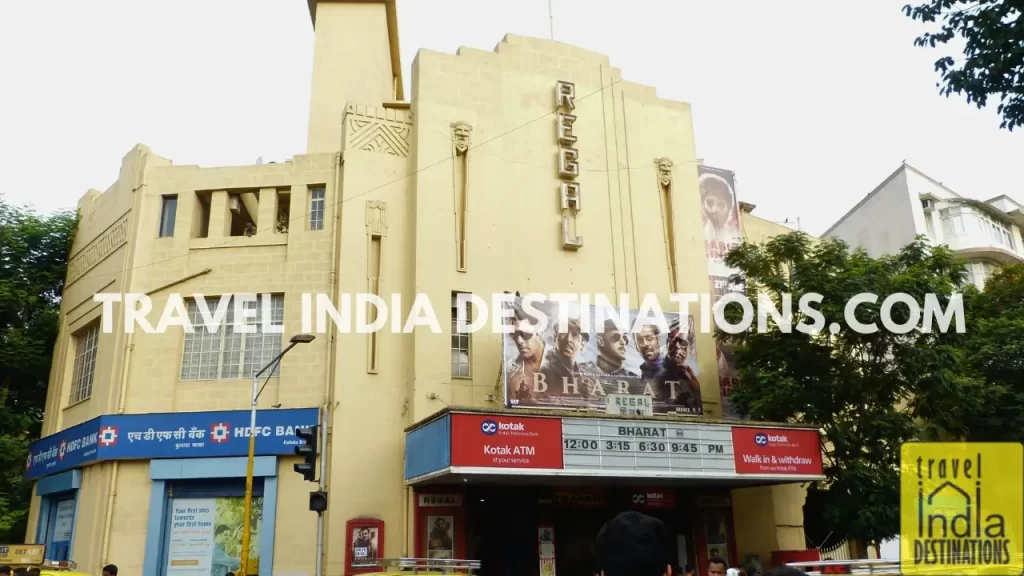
(457, 188)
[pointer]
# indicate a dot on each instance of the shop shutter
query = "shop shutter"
(213, 488)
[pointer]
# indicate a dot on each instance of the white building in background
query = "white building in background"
(986, 234)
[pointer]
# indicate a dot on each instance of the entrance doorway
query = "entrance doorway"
(503, 525)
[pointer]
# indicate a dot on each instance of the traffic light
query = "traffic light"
(308, 452)
(318, 502)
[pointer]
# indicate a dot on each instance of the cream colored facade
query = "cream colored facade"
(395, 215)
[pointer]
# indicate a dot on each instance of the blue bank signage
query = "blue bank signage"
(175, 435)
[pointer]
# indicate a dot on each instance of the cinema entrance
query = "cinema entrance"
(525, 528)
(522, 529)
(527, 495)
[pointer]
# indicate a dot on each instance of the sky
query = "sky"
(811, 103)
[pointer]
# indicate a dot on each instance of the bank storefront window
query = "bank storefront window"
(204, 528)
(57, 513)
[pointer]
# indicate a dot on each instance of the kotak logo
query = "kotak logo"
(490, 427)
(762, 439)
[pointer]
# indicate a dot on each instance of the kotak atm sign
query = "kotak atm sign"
(486, 441)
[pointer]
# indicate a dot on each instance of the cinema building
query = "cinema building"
(536, 167)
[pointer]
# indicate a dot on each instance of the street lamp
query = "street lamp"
(256, 391)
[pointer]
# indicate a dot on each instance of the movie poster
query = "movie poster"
(364, 544)
(441, 537)
(596, 355)
(721, 216)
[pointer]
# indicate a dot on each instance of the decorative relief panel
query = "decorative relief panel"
(376, 218)
(378, 129)
(97, 250)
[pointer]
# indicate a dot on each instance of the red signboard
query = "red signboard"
(490, 441)
(776, 451)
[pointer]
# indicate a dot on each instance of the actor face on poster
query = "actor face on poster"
(364, 544)
(570, 368)
(720, 213)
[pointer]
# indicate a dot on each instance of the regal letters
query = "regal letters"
(568, 164)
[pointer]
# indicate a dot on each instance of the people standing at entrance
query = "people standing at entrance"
(717, 566)
(110, 570)
(634, 544)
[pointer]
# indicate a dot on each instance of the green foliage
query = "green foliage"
(995, 349)
(867, 392)
(33, 264)
(992, 33)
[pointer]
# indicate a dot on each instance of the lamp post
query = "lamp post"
(256, 390)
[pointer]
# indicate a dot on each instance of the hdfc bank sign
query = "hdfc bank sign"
(481, 441)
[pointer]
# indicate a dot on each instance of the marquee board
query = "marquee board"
(641, 446)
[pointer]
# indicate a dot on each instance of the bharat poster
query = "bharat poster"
(597, 354)
(721, 217)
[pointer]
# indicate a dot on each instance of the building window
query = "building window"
(460, 340)
(954, 221)
(168, 213)
(228, 353)
(85, 364)
(316, 208)
(986, 270)
(997, 231)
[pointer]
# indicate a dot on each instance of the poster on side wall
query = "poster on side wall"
(206, 536)
(601, 353)
(440, 537)
(365, 544)
(721, 217)
(715, 536)
(546, 550)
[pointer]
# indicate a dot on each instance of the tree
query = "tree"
(993, 53)
(33, 265)
(995, 349)
(868, 393)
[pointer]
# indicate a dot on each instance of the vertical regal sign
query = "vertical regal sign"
(568, 164)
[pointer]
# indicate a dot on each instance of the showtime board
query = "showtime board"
(641, 446)
(498, 444)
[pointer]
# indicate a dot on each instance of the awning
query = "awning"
(459, 446)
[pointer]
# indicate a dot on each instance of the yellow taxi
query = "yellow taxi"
(60, 568)
(420, 567)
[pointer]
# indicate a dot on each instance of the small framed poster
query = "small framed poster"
(440, 537)
(364, 545)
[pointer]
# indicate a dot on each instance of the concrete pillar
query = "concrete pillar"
(267, 217)
(220, 215)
